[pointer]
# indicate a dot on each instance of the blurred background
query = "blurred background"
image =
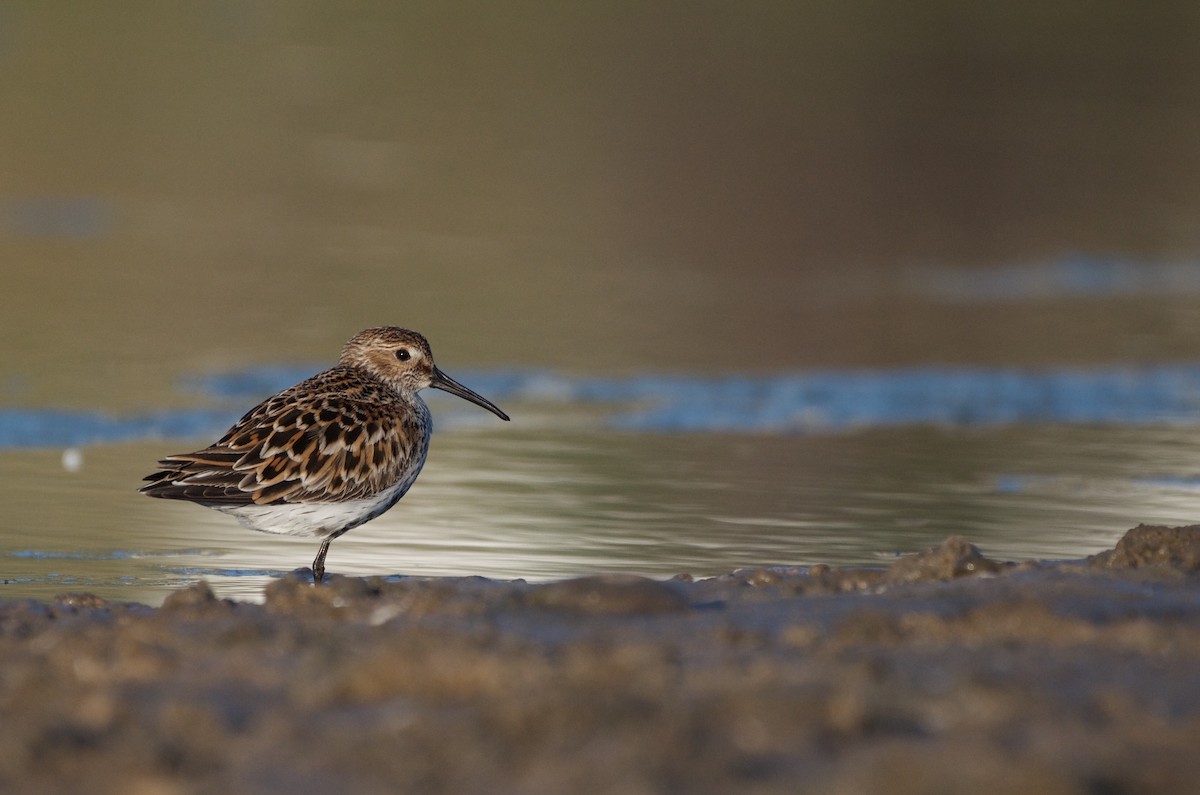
(760, 283)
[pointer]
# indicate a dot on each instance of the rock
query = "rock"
(609, 594)
(1154, 545)
(956, 557)
(197, 598)
(89, 600)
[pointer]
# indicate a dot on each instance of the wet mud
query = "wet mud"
(946, 672)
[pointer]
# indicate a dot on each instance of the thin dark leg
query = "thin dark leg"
(319, 561)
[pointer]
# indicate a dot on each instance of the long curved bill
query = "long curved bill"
(447, 384)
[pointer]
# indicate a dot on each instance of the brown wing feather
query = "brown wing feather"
(337, 436)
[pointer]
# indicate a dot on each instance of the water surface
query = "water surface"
(760, 284)
(564, 493)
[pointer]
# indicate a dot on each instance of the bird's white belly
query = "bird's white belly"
(317, 518)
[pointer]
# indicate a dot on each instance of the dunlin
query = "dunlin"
(327, 454)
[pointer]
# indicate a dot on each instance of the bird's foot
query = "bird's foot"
(305, 574)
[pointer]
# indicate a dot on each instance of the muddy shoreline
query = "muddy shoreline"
(946, 672)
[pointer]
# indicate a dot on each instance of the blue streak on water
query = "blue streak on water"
(837, 398)
(254, 384)
(1009, 483)
(196, 571)
(59, 428)
(60, 217)
(1071, 277)
(835, 401)
(815, 402)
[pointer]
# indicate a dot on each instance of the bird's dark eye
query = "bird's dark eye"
(403, 355)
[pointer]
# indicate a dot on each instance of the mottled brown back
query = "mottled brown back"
(340, 435)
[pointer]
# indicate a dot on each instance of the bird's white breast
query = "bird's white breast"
(318, 518)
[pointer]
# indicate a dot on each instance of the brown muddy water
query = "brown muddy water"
(604, 192)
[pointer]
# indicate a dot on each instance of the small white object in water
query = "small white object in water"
(72, 459)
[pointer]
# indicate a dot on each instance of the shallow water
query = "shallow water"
(541, 500)
(785, 285)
